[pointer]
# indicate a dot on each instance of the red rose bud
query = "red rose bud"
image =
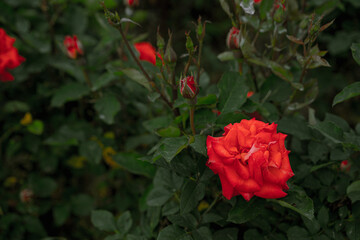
(250, 159)
(9, 56)
(249, 94)
(188, 87)
(257, 1)
(233, 38)
(73, 46)
(26, 195)
(147, 52)
(345, 166)
(131, 3)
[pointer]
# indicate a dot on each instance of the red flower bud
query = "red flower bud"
(249, 94)
(250, 159)
(233, 38)
(345, 166)
(73, 46)
(9, 56)
(188, 87)
(257, 1)
(147, 52)
(131, 3)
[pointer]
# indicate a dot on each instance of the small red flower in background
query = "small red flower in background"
(250, 159)
(279, 3)
(249, 94)
(73, 46)
(26, 195)
(131, 3)
(147, 52)
(233, 38)
(257, 1)
(9, 56)
(188, 87)
(345, 166)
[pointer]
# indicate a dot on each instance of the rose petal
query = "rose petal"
(247, 196)
(231, 175)
(275, 159)
(270, 191)
(276, 176)
(242, 170)
(227, 189)
(220, 150)
(249, 186)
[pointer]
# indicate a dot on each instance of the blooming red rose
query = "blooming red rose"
(147, 52)
(9, 56)
(233, 38)
(188, 87)
(250, 159)
(73, 46)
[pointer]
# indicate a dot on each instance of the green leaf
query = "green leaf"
(82, 204)
(355, 50)
(192, 193)
(297, 233)
(91, 150)
(265, 7)
(244, 211)
(226, 8)
(103, 80)
(69, 92)
(70, 68)
(202, 233)
(298, 201)
(170, 131)
(103, 220)
(42, 186)
(131, 162)
(283, 73)
(174, 233)
(137, 76)
(186, 220)
(353, 191)
(207, 100)
(233, 91)
(16, 106)
(124, 222)
(330, 130)
(323, 216)
(61, 214)
(295, 126)
(158, 196)
(117, 236)
(107, 107)
(156, 123)
(199, 145)
(34, 225)
(226, 234)
(348, 92)
(36, 127)
(252, 234)
(171, 147)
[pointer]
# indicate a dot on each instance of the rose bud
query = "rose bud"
(26, 195)
(9, 56)
(249, 94)
(131, 3)
(250, 159)
(188, 87)
(147, 52)
(345, 166)
(233, 38)
(257, 1)
(73, 46)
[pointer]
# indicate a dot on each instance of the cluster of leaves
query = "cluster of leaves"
(106, 158)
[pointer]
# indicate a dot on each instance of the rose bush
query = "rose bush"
(250, 159)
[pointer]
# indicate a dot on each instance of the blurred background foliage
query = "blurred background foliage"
(81, 150)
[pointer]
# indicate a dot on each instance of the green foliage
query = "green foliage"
(110, 153)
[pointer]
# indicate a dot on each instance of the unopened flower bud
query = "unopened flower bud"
(345, 166)
(159, 41)
(233, 38)
(26, 195)
(73, 46)
(188, 87)
(189, 43)
(170, 55)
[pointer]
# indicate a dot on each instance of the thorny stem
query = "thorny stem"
(192, 113)
(197, 80)
(152, 83)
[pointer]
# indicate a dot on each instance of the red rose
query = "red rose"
(250, 159)
(73, 46)
(257, 1)
(147, 52)
(249, 94)
(233, 38)
(188, 87)
(9, 56)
